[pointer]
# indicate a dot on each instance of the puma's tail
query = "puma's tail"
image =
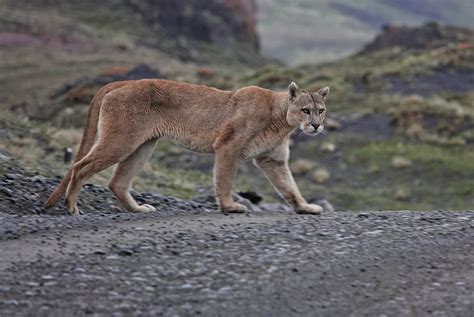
(88, 139)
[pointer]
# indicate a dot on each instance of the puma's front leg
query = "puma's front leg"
(275, 167)
(224, 173)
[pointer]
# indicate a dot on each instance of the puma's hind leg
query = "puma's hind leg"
(124, 174)
(99, 158)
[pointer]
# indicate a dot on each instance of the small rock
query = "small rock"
(186, 286)
(332, 124)
(125, 252)
(4, 157)
(328, 147)
(400, 162)
(11, 176)
(6, 192)
(253, 197)
(401, 194)
(247, 204)
(301, 166)
(203, 199)
(11, 302)
(38, 179)
(327, 206)
(224, 289)
(374, 233)
(321, 175)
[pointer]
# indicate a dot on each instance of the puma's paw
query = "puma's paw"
(309, 209)
(145, 208)
(73, 210)
(234, 208)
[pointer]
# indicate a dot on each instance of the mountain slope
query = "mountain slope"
(307, 31)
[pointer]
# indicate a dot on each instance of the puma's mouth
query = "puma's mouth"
(314, 132)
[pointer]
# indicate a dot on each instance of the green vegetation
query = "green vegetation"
(451, 159)
(412, 105)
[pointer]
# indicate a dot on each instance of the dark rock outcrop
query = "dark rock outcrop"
(174, 23)
(221, 22)
(428, 36)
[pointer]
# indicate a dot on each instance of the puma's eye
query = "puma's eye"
(305, 111)
(321, 111)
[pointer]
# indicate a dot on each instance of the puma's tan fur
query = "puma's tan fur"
(126, 119)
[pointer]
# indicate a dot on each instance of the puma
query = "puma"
(126, 119)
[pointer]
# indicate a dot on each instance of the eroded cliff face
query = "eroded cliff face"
(164, 24)
(221, 22)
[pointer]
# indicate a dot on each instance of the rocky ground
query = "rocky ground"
(189, 259)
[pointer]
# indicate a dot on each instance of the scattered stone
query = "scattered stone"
(13, 302)
(321, 175)
(400, 162)
(125, 252)
(374, 233)
(11, 176)
(186, 286)
(401, 194)
(328, 147)
(246, 203)
(332, 124)
(6, 192)
(327, 206)
(253, 197)
(38, 179)
(4, 156)
(301, 166)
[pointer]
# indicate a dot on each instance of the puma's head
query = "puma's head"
(307, 110)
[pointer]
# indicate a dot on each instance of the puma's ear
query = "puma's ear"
(324, 92)
(293, 90)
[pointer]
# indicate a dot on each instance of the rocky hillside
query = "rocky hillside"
(50, 47)
(404, 121)
(429, 36)
(307, 31)
(224, 23)
(180, 25)
(401, 115)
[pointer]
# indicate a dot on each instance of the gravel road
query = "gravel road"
(261, 264)
(189, 259)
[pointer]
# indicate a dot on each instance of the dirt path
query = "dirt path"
(266, 263)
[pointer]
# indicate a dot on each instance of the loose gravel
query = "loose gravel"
(189, 259)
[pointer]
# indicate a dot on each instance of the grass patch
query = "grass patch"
(454, 159)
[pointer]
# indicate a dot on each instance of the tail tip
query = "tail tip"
(50, 202)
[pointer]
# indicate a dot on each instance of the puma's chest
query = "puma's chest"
(261, 145)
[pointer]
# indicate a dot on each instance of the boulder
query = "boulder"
(400, 162)
(321, 175)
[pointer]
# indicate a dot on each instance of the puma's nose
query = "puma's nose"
(315, 126)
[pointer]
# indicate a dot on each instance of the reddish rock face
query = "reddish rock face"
(246, 11)
(221, 22)
(224, 23)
